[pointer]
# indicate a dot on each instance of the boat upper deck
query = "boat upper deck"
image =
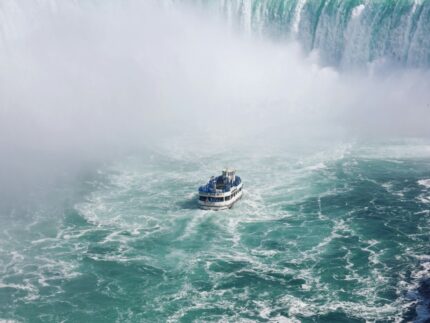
(221, 185)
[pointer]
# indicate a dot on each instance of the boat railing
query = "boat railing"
(219, 194)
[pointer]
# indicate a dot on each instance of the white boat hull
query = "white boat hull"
(206, 205)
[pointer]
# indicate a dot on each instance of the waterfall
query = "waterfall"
(346, 33)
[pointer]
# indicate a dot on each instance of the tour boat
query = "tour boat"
(221, 192)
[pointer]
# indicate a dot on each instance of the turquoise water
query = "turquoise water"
(325, 232)
(334, 234)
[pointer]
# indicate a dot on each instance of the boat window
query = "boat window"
(216, 199)
(202, 198)
(227, 198)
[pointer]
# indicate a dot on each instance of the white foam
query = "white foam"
(424, 182)
(264, 309)
(32, 291)
(16, 286)
(317, 166)
(369, 311)
(425, 199)
(357, 11)
(283, 319)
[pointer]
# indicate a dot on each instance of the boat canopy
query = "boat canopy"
(221, 184)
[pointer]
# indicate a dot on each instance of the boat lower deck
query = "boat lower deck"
(206, 204)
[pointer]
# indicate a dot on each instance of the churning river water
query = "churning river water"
(337, 234)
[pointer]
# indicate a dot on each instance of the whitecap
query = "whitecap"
(424, 182)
